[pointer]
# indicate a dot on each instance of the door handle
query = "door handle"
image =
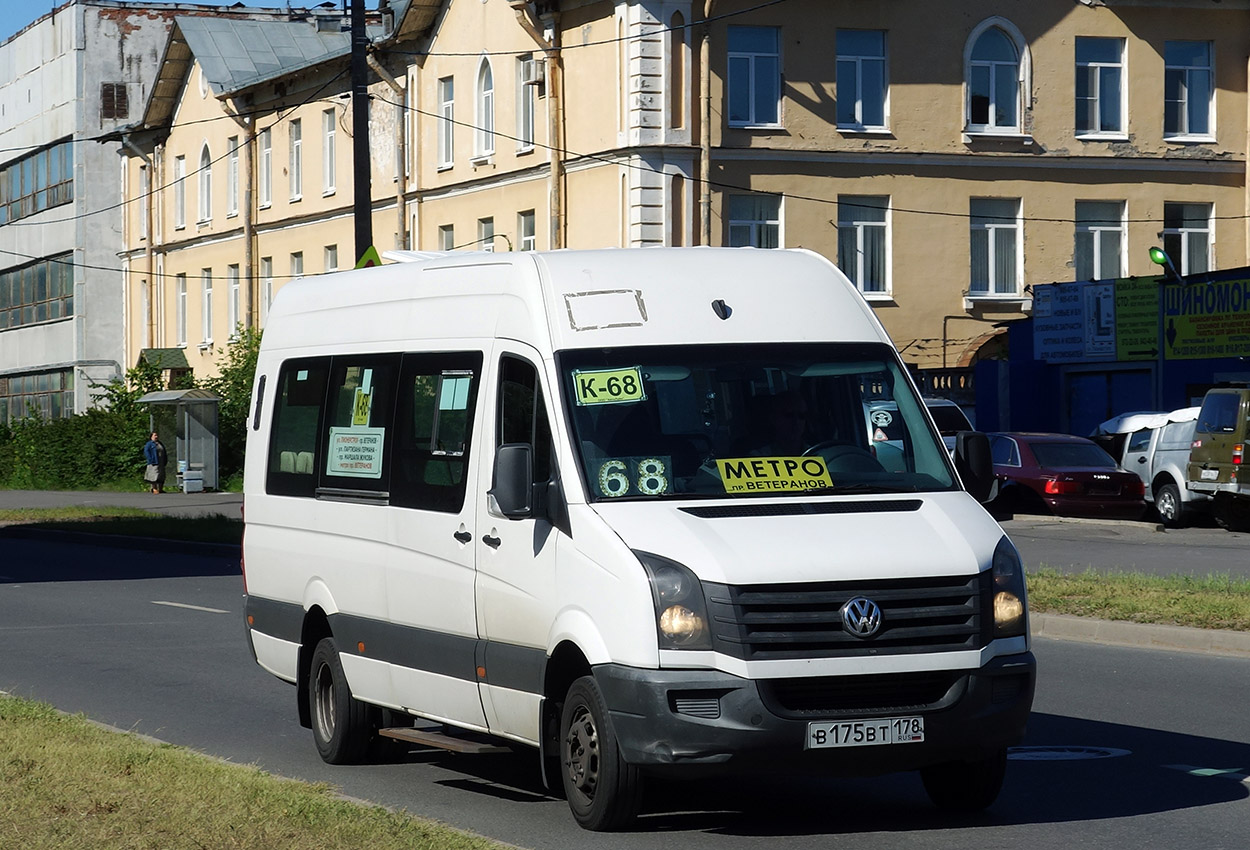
(463, 536)
(492, 542)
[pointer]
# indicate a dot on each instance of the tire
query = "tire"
(965, 786)
(1168, 505)
(604, 791)
(340, 722)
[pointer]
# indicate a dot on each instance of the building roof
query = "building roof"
(165, 358)
(192, 396)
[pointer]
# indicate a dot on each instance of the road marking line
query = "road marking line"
(1239, 774)
(192, 607)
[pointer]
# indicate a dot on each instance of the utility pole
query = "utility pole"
(362, 181)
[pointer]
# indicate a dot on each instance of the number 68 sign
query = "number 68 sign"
(634, 476)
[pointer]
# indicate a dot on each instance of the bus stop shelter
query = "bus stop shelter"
(194, 415)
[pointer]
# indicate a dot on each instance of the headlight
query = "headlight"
(1011, 608)
(680, 611)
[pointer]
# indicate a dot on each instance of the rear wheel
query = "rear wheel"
(604, 791)
(340, 722)
(965, 786)
(1168, 504)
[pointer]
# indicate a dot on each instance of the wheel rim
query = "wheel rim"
(1167, 505)
(581, 752)
(324, 702)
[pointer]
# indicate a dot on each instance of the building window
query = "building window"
(486, 234)
(754, 77)
(266, 288)
(114, 101)
(332, 258)
(41, 291)
(206, 307)
(1187, 236)
(232, 176)
(180, 192)
(484, 120)
(49, 395)
(145, 189)
(446, 237)
(329, 145)
(677, 210)
(1099, 86)
(525, 230)
(1099, 253)
(526, 98)
(37, 182)
(297, 264)
(677, 56)
(205, 211)
(995, 246)
(862, 83)
(232, 305)
(265, 190)
(1187, 85)
(446, 122)
(755, 221)
(297, 160)
(993, 83)
(180, 309)
(863, 241)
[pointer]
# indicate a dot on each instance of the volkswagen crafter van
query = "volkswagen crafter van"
(621, 507)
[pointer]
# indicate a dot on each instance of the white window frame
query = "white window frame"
(265, 168)
(332, 258)
(1095, 69)
(446, 122)
(145, 189)
(232, 177)
(1183, 259)
(755, 228)
(296, 131)
(204, 212)
(266, 288)
(753, 60)
(180, 192)
(855, 65)
(484, 111)
(1096, 228)
(329, 150)
(297, 265)
(486, 234)
(206, 308)
(852, 215)
(446, 237)
(527, 104)
(180, 309)
(994, 288)
(1023, 77)
(1183, 132)
(232, 304)
(525, 227)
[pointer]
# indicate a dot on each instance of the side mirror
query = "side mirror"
(975, 464)
(513, 491)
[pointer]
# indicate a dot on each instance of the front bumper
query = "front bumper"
(696, 721)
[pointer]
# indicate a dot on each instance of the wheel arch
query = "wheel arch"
(316, 627)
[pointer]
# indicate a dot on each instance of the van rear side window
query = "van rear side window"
(297, 412)
(357, 433)
(1219, 413)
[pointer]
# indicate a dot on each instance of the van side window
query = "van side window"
(293, 439)
(356, 434)
(1219, 413)
(1139, 441)
(522, 413)
(433, 430)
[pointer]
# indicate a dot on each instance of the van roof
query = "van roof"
(579, 299)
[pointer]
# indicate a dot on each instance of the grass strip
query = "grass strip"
(1210, 602)
(65, 782)
(69, 512)
(133, 522)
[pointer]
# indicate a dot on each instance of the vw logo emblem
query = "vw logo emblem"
(861, 617)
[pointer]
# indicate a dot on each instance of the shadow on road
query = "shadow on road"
(27, 560)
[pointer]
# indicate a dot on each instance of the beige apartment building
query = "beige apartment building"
(946, 155)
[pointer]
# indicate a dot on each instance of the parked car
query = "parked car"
(1064, 475)
(1216, 459)
(1155, 446)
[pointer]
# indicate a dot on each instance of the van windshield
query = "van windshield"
(711, 421)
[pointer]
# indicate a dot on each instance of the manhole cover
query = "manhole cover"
(1063, 753)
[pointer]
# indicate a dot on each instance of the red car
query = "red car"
(1063, 475)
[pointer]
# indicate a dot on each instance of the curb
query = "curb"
(122, 541)
(1234, 644)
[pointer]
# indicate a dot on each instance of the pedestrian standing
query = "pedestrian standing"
(154, 453)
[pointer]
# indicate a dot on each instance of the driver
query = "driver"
(787, 425)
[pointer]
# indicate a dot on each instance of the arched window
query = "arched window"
(206, 184)
(677, 71)
(996, 63)
(484, 120)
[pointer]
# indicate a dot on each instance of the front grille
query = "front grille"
(797, 621)
(886, 693)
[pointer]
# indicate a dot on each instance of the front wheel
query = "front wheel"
(604, 791)
(1168, 504)
(340, 722)
(965, 786)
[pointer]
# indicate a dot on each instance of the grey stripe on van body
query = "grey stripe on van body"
(507, 665)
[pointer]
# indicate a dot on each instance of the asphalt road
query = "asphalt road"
(1137, 747)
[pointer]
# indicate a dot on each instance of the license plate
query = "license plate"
(1210, 474)
(865, 733)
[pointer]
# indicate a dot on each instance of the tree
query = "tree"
(237, 371)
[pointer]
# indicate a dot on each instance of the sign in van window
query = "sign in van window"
(609, 386)
(355, 452)
(768, 474)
